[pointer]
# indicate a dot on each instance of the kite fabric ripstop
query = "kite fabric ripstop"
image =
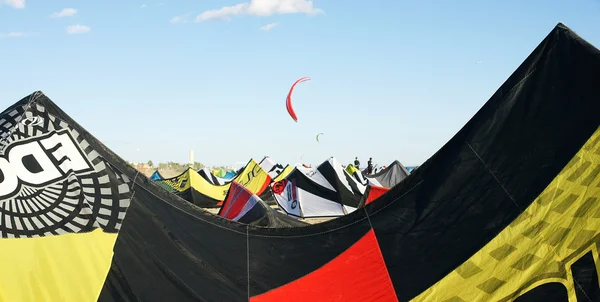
(288, 100)
(318, 137)
(506, 210)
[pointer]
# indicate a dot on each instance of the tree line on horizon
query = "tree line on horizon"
(177, 166)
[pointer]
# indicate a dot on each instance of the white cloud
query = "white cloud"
(268, 26)
(13, 3)
(77, 29)
(223, 13)
(17, 34)
(261, 8)
(66, 12)
(143, 6)
(12, 35)
(181, 19)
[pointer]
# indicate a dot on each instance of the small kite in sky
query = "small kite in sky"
(318, 136)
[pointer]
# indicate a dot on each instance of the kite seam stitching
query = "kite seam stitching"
(31, 100)
(134, 178)
(368, 218)
(494, 175)
(248, 259)
(398, 198)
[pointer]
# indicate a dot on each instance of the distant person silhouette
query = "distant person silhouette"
(356, 163)
(370, 166)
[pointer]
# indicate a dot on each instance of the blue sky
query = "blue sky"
(390, 79)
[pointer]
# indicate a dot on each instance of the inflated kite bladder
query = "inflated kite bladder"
(288, 100)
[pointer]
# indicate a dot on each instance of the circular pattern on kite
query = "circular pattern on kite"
(279, 186)
(69, 202)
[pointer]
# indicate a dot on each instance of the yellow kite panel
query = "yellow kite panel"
(64, 268)
(539, 247)
(253, 177)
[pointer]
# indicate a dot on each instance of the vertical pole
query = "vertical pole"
(191, 158)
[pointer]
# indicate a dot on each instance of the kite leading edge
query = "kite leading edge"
(288, 101)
